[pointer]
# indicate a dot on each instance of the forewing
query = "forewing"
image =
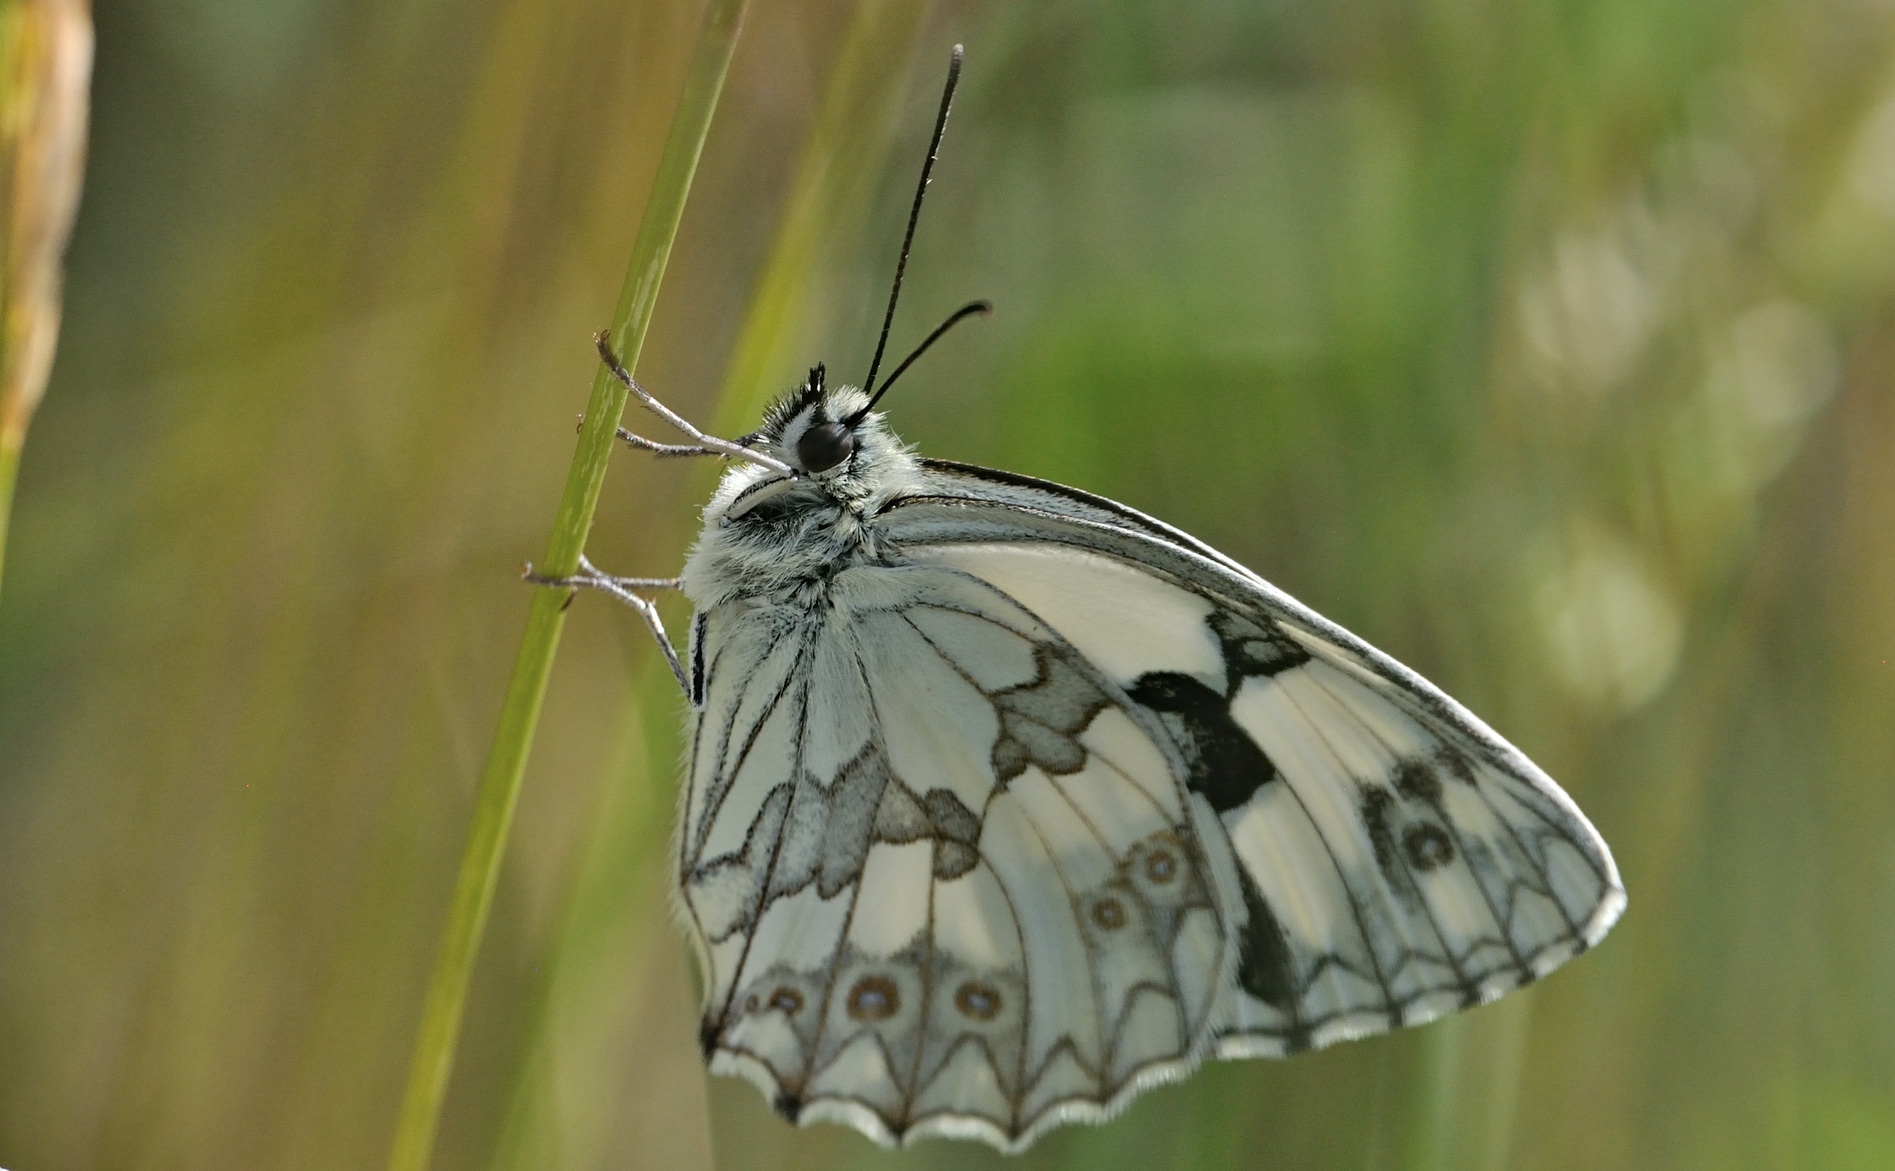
(1390, 858)
(946, 875)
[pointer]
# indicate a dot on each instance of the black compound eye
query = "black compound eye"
(824, 446)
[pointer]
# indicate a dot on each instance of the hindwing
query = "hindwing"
(944, 872)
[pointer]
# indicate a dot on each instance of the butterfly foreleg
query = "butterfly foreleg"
(701, 443)
(656, 448)
(630, 439)
(590, 577)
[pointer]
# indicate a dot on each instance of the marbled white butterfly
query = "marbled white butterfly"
(1007, 802)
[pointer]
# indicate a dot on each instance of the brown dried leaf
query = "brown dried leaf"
(45, 73)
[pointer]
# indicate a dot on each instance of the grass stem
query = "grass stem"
(499, 791)
(9, 473)
(831, 187)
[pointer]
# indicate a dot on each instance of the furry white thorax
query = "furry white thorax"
(780, 540)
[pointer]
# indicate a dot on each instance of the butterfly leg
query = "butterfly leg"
(589, 577)
(656, 448)
(709, 444)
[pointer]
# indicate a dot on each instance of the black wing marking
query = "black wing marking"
(1397, 859)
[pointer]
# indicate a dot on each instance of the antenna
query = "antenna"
(914, 214)
(959, 315)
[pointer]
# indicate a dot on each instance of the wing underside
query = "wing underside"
(1395, 859)
(1065, 803)
(945, 876)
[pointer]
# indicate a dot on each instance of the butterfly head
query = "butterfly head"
(844, 457)
(817, 437)
(817, 430)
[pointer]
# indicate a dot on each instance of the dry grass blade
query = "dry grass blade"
(46, 56)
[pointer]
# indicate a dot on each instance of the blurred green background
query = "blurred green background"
(1547, 344)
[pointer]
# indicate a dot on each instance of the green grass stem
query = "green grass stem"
(9, 473)
(827, 190)
(433, 1059)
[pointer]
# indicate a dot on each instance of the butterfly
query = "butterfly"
(1007, 802)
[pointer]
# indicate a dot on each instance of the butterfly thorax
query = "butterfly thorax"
(782, 540)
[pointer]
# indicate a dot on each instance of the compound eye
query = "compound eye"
(824, 446)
